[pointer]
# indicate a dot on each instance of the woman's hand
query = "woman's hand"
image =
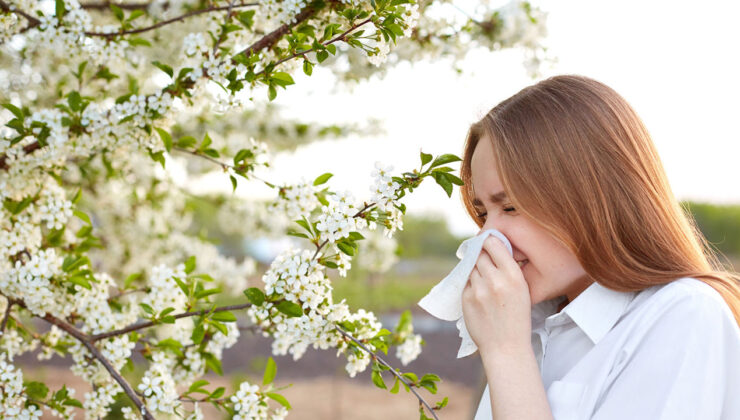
(496, 303)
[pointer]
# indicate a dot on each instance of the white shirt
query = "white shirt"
(667, 352)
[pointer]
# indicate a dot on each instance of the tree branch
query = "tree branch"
(168, 21)
(271, 38)
(32, 21)
(384, 363)
(148, 324)
(7, 314)
(105, 5)
(88, 343)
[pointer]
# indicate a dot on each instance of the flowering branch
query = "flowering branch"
(32, 21)
(169, 21)
(271, 38)
(126, 6)
(386, 364)
(87, 341)
(7, 314)
(148, 324)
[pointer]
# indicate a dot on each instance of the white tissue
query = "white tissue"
(444, 301)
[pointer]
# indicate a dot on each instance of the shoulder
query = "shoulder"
(685, 308)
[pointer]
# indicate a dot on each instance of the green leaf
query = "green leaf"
(190, 264)
(217, 393)
(213, 363)
(441, 404)
(198, 333)
(208, 292)
(80, 281)
(83, 216)
(117, 12)
(322, 178)
(60, 9)
(137, 41)
(15, 110)
(425, 158)
(356, 236)
(75, 101)
(220, 327)
(321, 56)
(255, 296)
(233, 183)
(454, 179)
(224, 316)
(246, 18)
(447, 158)
(346, 248)
(271, 92)
(332, 49)
(282, 79)
(394, 390)
(270, 371)
(164, 67)
(289, 308)
(307, 67)
(134, 15)
(148, 309)
(378, 379)
(197, 386)
(186, 142)
(36, 390)
(443, 182)
(166, 138)
(279, 398)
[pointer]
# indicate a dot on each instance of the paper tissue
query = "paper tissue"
(444, 301)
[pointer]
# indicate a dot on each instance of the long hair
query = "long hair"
(574, 156)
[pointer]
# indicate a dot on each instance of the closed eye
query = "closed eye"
(506, 209)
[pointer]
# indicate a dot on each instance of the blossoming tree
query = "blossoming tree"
(97, 262)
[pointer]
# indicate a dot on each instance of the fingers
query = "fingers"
(500, 254)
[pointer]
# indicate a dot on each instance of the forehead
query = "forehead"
(485, 179)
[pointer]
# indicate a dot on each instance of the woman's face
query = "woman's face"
(549, 268)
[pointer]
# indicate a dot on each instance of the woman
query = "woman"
(612, 306)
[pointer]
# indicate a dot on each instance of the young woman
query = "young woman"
(613, 305)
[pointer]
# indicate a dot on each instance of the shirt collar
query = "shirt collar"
(594, 311)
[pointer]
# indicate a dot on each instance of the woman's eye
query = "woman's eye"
(481, 215)
(509, 209)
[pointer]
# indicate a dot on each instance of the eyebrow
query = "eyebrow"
(495, 198)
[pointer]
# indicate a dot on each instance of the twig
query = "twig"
(88, 343)
(384, 363)
(32, 21)
(7, 314)
(225, 166)
(148, 324)
(168, 21)
(103, 5)
(222, 35)
(271, 38)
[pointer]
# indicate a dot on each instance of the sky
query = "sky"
(676, 63)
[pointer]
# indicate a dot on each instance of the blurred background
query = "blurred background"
(675, 62)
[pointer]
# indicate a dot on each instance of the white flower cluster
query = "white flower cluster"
(164, 291)
(282, 12)
(194, 43)
(297, 200)
(337, 219)
(410, 349)
(14, 344)
(97, 403)
(11, 394)
(384, 188)
(294, 276)
(54, 208)
(410, 18)
(381, 55)
(34, 282)
(384, 192)
(158, 386)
